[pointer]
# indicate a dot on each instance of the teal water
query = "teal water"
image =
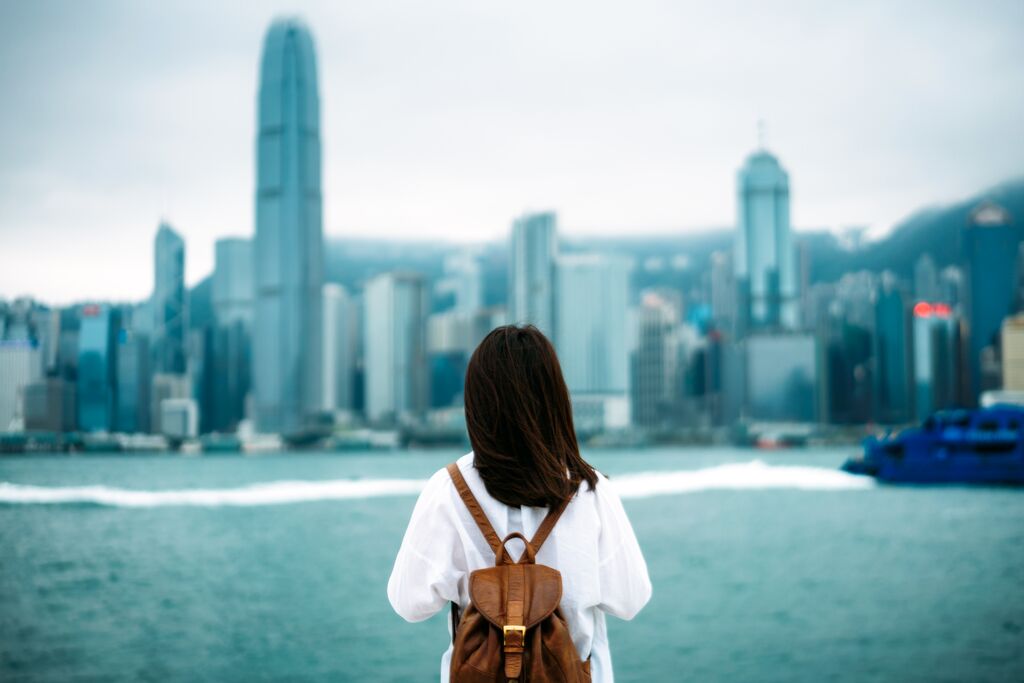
(756, 584)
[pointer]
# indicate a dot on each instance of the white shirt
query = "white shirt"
(592, 545)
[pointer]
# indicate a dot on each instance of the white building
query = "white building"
(394, 347)
(21, 363)
(591, 333)
(341, 327)
(532, 254)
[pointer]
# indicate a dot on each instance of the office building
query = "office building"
(288, 333)
(341, 330)
(97, 368)
(655, 363)
(168, 303)
(532, 252)
(893, 372)
(763, 258)
(990, 248)
(394, 345)
(21, 364)
(1013, 353)
(926, 280)
(133, 381)
(233, 308)
(936, 357)
(784, 380)
(50, 405)
(591, 336)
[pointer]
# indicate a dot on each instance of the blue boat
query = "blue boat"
(983, 446)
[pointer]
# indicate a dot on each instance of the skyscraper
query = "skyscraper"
(341, 318)
(654, 363)
(990, 254)
(532, 255)
(232, 340)
(170, 308)
(394, 347)
(591, 337)
(893, 399)
(763, 257)
(288, 334)
(97, 368)
(936, 343)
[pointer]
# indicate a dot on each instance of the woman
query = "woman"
(525, 460)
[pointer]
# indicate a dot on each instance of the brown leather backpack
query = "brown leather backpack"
(513, 630)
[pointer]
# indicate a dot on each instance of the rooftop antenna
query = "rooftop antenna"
(761, 134)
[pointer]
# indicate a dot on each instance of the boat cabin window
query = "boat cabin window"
(988, 426)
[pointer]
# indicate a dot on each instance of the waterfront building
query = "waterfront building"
(533, 249)
(763, 258)
(97, 368)
(394, 346)
(21, 364)
(287, 356)
(462, 279)
(926, 279)
(341, 330)
(723, 291)
(233, 307)
(893, 372)
(1013, 353)
(936, 357)
(133, 381)
(165, 387)
(591, 334)
(951, 287)
(784, 379)
(169, 304)
(990, 247)
(654, 388)
(50, 405)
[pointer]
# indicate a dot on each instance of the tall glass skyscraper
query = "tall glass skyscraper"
(763, 258)
(531, 271)
(394, 344)
(97, 368)
(893, 400)
(169, 304)
(990, 256)
(289, 244)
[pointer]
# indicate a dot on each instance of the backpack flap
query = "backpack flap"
(489, 592)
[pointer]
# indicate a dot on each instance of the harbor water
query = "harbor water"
(765, 567)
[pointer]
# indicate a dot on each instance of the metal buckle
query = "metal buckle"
(521, 630)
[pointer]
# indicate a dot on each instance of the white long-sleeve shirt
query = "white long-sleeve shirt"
(592, 545)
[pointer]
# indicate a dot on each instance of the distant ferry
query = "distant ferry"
(955, 446)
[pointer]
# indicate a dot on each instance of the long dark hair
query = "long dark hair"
(519, 420)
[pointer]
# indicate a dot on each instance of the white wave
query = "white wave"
(737, 476)
(750, 475)
(273, 493)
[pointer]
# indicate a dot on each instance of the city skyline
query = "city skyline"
(641, 126)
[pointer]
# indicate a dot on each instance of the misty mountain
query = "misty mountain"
(677, 261)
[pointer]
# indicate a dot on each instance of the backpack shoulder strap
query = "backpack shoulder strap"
(548, 524)
(474, 509)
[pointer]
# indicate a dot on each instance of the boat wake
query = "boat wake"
(736, 476)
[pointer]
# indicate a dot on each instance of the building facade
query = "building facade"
(763, 258)
(397, 387)
(287, 356)
(532, 252)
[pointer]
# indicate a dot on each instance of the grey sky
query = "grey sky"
(446, 119)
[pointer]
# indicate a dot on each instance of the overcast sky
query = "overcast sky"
(445, 119)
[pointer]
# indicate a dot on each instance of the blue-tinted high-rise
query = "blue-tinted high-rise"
(990, 253)
(763, 258)
(169, 304)
(532, 255)
(287, 336)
